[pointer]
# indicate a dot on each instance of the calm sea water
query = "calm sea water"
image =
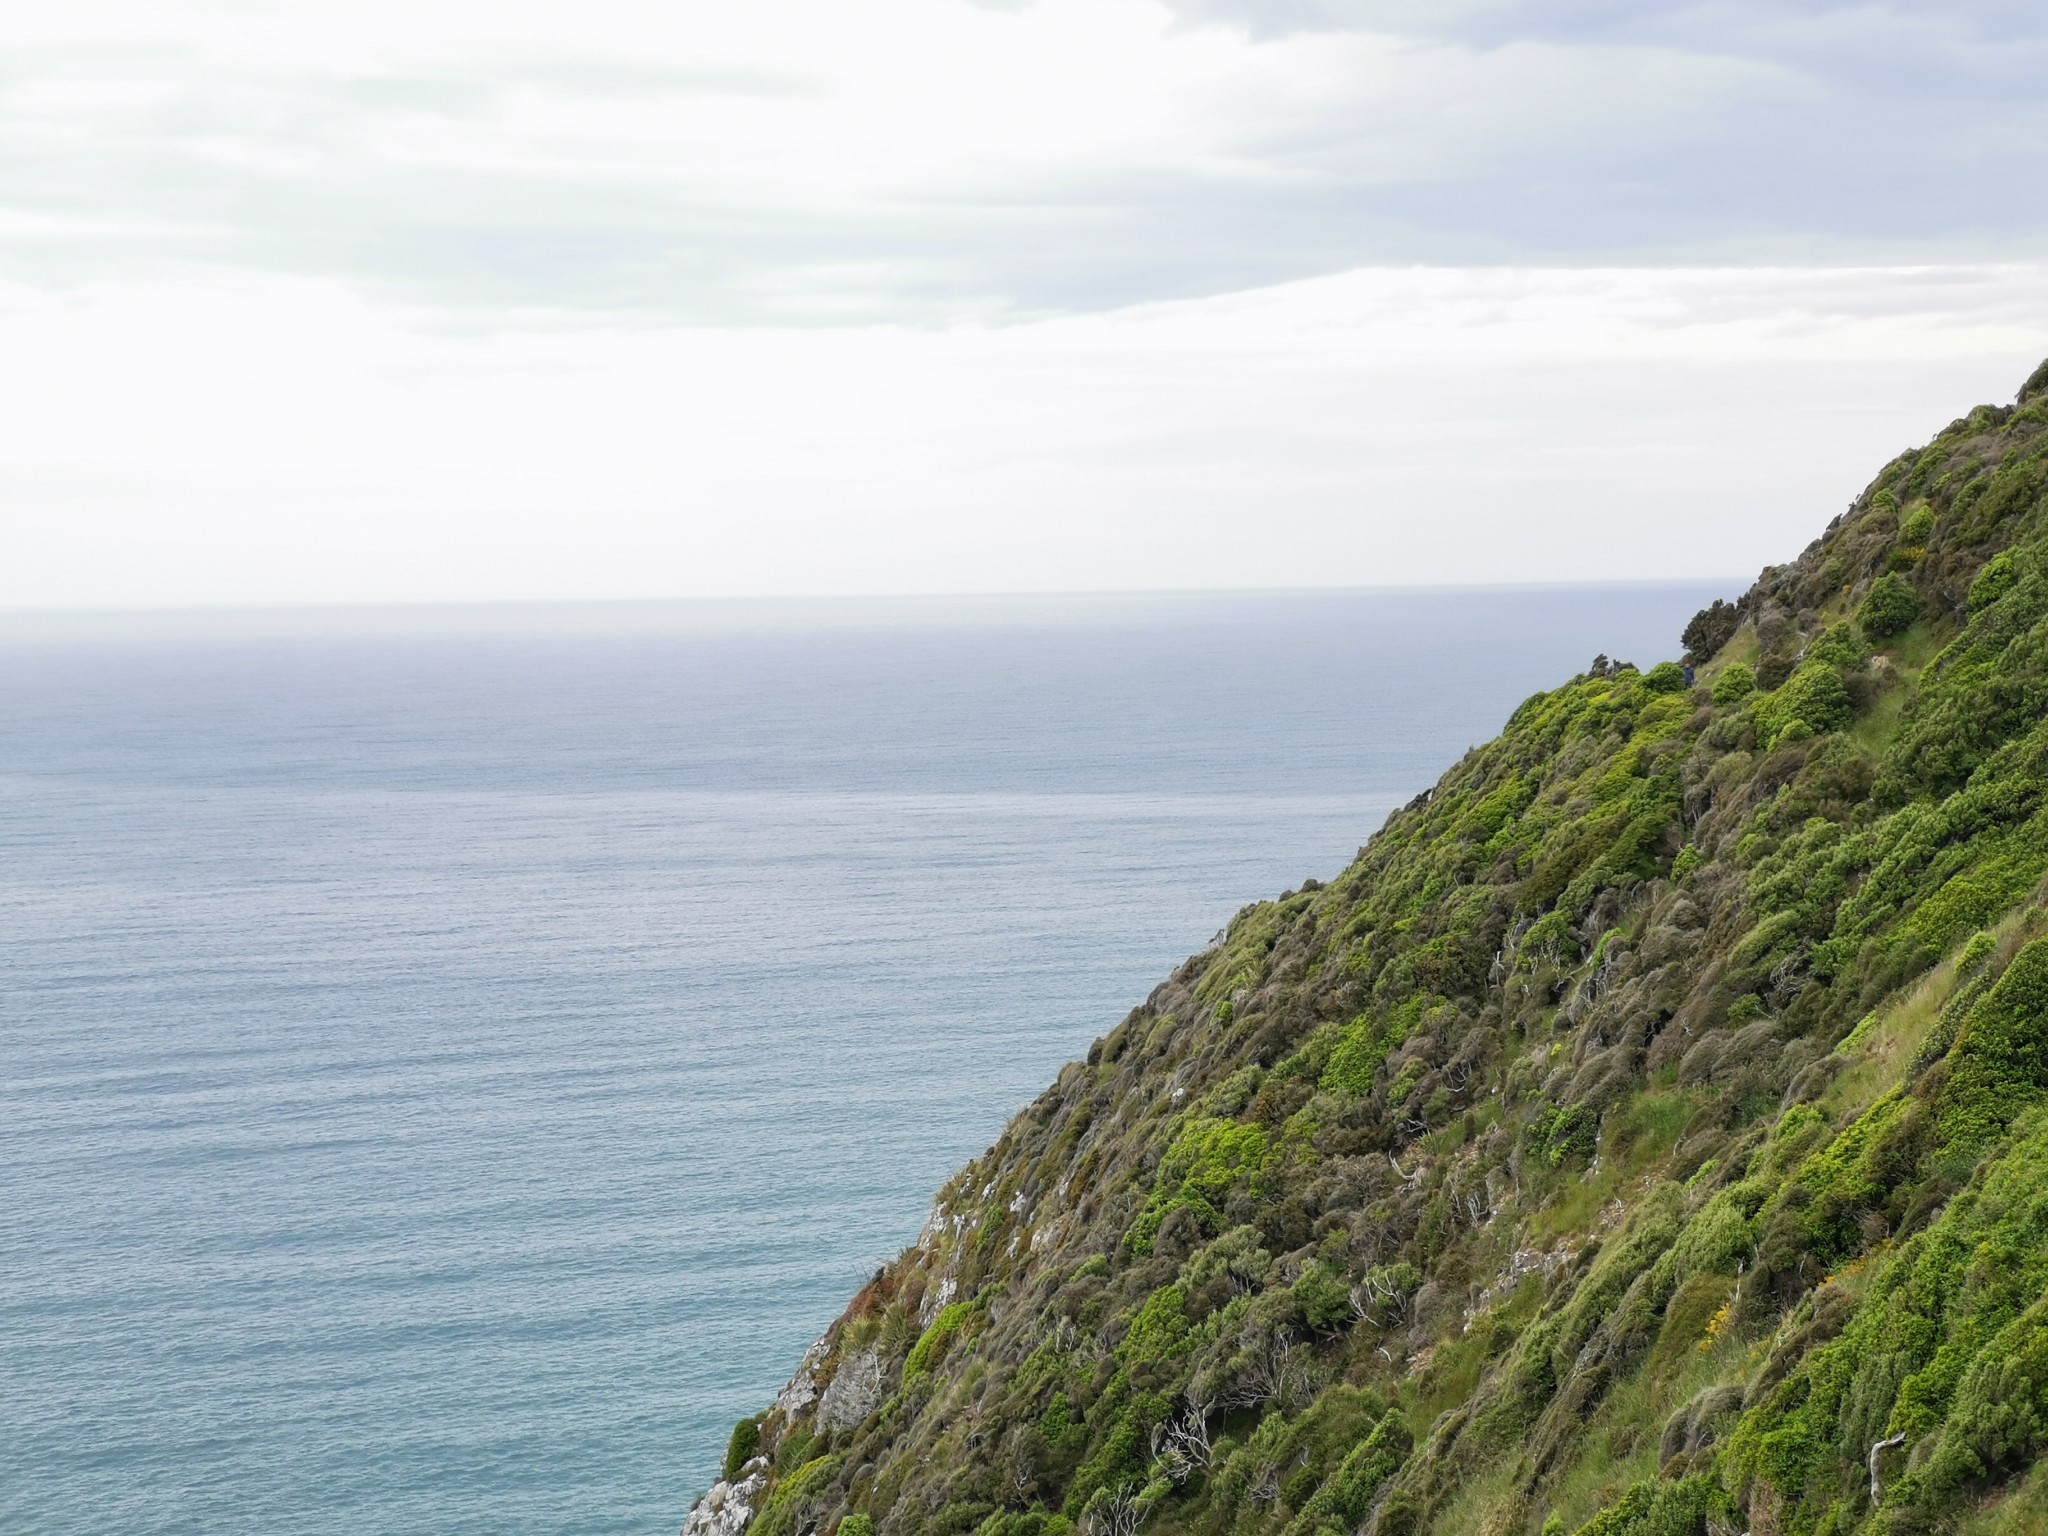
(447, 1078)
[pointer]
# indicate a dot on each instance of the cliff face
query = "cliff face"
(1647, 1135)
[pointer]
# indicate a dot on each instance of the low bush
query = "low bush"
(1890, 607)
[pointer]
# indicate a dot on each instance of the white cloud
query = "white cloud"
(313, 301)
(930, 159)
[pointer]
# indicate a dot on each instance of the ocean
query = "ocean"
(452, 1063)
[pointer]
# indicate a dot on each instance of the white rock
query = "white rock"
(802, 1390)
(727, 1508)
(938, 1299)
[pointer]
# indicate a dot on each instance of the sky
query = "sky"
(380, 302)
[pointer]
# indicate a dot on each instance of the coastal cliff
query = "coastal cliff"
(1646, 1135)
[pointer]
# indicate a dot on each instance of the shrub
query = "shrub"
(1998, 577)
(932, 1345)
(1814, 697)
(785, 1506)
(1889, 609)
(1205, 1162)
(1364, 1044)
(1117, 1461)
(1321, 1297)
(1346, 1498)
(1709, 629)
(1160, 1329)
(739, 1450)
(1654, 1508)
(1665, 677)
(1735, 684)
(856, 1525)
(1999, 1062)
(1746, 1007)
(1559, 1133)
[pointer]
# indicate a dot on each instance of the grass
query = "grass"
(1876, 729)
(1484, 1506)
(1648, 1129)
(1879, 1048)
(1621, 1443)
(2020, 1511)
(1576, 1206)
(1634, 1142)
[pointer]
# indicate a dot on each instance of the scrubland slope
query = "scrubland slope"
(1647, 1135)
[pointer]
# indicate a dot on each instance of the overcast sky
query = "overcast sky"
(373, 301)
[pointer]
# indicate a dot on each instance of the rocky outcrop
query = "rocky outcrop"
(854, 1392)
(727, 1508)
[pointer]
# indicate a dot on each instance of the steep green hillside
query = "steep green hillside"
(1646, 1136)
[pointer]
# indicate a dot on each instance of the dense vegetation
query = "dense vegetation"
(1647, 1135)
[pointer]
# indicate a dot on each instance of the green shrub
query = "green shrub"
(1560, 1133)
(1681, 1508)
(1117, 1461)
(1889, 608)
(785, 1505)
(1998, 577)
(1999, 1063)
(1206, 1161)
(1813, 697)
(1346, 1496)
(1160, 1329)
(1736, 683)
(1361, 1048)
(856, 1525)
(739, 1450)
(931, 1345)
(1665, 677)
(1321, 1297)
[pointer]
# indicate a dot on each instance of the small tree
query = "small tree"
(1711, 628)
(1735, 684)
(1889, 609)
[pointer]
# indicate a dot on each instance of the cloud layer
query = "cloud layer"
(805, 161)
(419, 299)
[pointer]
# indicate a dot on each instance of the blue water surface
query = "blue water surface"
(447, 1075)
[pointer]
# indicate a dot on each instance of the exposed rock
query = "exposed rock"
(802, 1390)
(727, 1508)
(853, 1393)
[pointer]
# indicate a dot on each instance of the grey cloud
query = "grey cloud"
(1914, 51)
(1520, 133)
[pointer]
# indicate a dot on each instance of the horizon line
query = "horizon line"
(739, 614)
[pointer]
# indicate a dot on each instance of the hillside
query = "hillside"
(1647, 1135)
